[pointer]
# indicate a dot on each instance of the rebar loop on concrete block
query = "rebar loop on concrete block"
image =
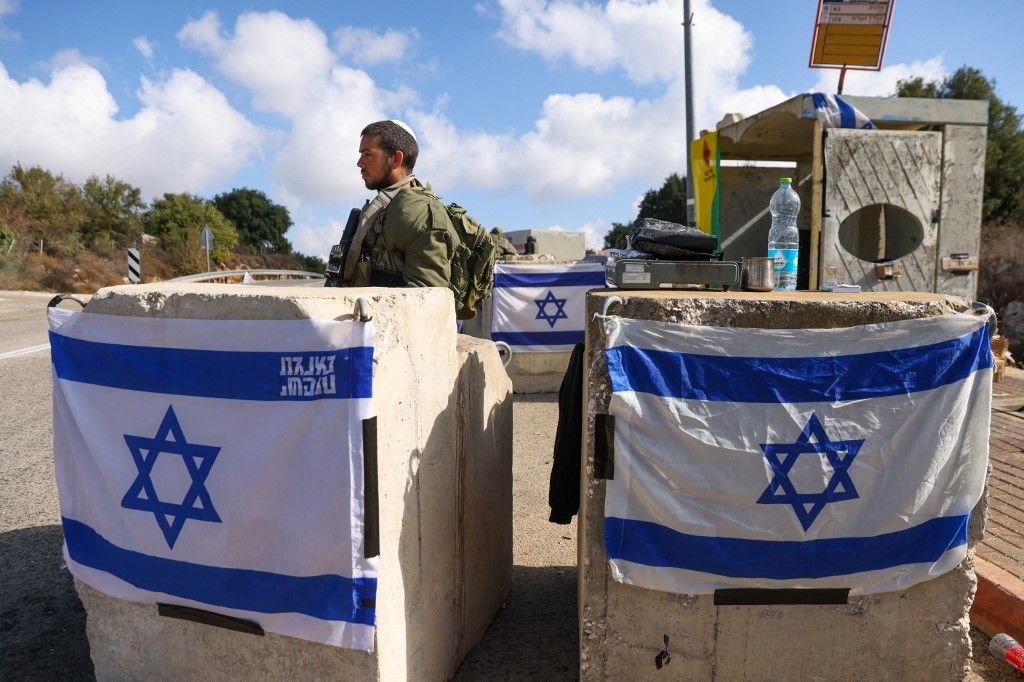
(64, 297)
(504, 352)
(981, 308)
(608, 303)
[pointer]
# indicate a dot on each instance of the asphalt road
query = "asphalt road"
(42, 623)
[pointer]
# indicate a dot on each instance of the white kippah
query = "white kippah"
(404, 126)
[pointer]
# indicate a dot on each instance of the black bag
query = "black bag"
(671, 240)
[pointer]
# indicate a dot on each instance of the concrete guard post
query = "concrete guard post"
(444, 416)
(920, 634)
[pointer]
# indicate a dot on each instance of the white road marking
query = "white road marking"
(24, 351)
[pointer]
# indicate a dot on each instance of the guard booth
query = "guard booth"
(895, 208)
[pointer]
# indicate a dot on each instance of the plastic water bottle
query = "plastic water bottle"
(1006, 648)
(783, 237)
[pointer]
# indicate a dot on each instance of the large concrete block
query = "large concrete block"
(918, 634)
(538, 372)
(444, 417)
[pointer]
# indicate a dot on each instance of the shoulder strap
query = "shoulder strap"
(369, 212)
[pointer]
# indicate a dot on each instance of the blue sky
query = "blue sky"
(531, 113)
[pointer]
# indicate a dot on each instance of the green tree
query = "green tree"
(113, 211)
(37, 205)
(616, 237)
(177, 220)
(256, 218)
(310, 263)
(666, 203)
(1004, 154)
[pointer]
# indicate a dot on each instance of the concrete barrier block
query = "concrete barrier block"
(444, 474)
(484, 502)
(538, 372)
(919, 634)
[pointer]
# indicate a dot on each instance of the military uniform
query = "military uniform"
(408, 243)
(505, 247)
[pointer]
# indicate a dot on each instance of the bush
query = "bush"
(1001, 271)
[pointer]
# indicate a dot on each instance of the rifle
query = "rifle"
(339, 252)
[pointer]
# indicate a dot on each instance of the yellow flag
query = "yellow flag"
(705, 160)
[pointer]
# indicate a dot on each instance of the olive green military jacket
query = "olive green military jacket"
(410, 243)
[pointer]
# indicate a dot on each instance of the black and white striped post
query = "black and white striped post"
(133, 266)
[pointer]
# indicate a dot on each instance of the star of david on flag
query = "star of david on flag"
(801, 458)
(197, 459)
(218, 464)
(558, 314)
(812, 441)
(541, 308)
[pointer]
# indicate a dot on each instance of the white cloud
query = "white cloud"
(881, 83)
(7, 8)
(315, 239)
(643, 40)
(280, 60)
(70, 57)
(288, 68)
(144, 46)
(586, 143)
(203, 34)
(185, 137)
(593, 232)
(365, 47)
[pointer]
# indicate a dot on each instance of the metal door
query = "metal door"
(881, 201)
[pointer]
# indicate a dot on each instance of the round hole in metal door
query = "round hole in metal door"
(881, 232)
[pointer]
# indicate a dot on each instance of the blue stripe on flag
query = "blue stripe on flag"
(328, 597)
(651, 544)
(591, 278)
(847, 117)
(796, 380)
(539, 338)
(216, 374)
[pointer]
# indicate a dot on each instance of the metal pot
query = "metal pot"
(758, 274)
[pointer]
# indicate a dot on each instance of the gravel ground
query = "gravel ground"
(42, 624)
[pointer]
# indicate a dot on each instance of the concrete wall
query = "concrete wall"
(963, 172)
(560, 244)
(744, 219)
(919, 634)
(443, 406)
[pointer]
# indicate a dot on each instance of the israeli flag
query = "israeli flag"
(542, 308)
(218, 465)
(835, 112)
(806, 458)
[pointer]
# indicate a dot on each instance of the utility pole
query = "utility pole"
(691, 217)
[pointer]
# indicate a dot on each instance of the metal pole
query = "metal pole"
(688, 82)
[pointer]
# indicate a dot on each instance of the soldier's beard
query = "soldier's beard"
(390, 179)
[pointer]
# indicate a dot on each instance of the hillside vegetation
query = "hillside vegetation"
(56, 235)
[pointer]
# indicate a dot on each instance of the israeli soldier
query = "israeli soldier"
(504, 246)
(404, 236)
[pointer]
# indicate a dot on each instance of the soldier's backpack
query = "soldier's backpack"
(472, 266)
